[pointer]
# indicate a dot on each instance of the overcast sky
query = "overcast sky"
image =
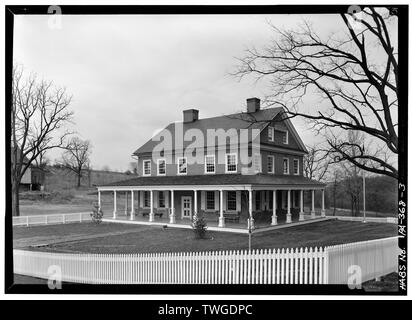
(132, 75)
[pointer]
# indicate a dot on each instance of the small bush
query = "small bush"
(199, 227)
(97, 214)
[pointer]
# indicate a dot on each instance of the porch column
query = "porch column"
(125, 203)
(99, 202)
(221, 217)
(312, 212)
(114, 204)
(151, 214)
(251, 221)
(301, 213)
(132, 205)
(288, 214)
(172, 207)
(274, 216)
(195, 203)
(322, 212)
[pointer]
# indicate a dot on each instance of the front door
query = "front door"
(186, 207)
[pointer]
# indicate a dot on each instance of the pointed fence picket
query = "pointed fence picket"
(278, 266)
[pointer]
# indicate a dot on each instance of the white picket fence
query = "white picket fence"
(373, 258)
(51, 219)
(279, 266)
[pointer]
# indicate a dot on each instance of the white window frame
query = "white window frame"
(226, 162)
(214, 164)
(271, 134)
(178, 166)
(150, 168)
(257, 160)
(287, 159)
(273, 164)
(295, 173)
(158, 167)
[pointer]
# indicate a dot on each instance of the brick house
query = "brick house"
(227, 168)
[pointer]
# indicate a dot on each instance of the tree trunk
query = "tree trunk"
(15, 198)
(78, 180)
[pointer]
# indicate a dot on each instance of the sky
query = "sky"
(131, 75)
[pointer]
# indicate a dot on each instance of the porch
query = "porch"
(230, 207)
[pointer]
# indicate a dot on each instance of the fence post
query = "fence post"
(27, 221)
(326, 266)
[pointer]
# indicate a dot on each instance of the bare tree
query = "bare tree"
(76, 157)
(354, 72)
(38, 115)
(316, 163)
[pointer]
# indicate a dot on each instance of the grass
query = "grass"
(141, 239)
(388, 283)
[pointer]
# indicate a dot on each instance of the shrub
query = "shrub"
(199, 227)
(97, 214)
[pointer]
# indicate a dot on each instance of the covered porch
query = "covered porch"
(223, 206)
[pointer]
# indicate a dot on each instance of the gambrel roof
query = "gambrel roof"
(256, 120)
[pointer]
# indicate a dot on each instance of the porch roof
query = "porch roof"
(219, 179)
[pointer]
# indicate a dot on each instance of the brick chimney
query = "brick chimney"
(253, 105)
(190, 115)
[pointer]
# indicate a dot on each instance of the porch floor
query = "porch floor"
(236, 227)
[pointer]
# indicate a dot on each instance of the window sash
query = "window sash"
(182, 166)
(258, 163)
(286, 166)
(285, 137)
(210, 200)
(271, 164)
(161, 198)
(210, 164)
(271, 134)
(147, 167)
(231, 200)
(296, 166)
(231, 162)
(161, 167)
(146, 199)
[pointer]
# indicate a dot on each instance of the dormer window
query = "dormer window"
(147, 167)
(285, 138)
(271, 134)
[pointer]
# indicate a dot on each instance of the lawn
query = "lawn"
(123, 238)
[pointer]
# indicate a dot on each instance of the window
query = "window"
(146, 199)
(271, 164)
(285, 137)
(257, 200)
(231, 162)
(161, 199)
(258, 163)
(231, 201)
(161, 167)
(295, 166)
(210, 164)
(210, 200)
(286, 166)
(147, 167)
(182, 166)
(271, 134)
